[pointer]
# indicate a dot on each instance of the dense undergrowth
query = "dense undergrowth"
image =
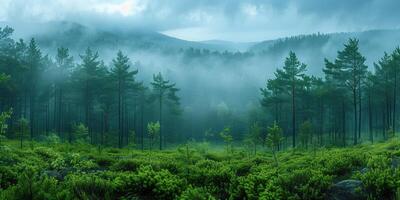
(62, 171)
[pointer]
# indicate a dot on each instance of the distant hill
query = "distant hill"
(78, 37)
(313, 48)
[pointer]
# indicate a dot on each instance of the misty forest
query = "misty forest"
(90, 113)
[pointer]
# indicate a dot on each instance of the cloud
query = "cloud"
(241, 20)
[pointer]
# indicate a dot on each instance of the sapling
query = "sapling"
(4, 116)
(186, 154)
(228, 139)
(23, 129)
(80, 132)
(153, 130)
(305, 134)
(254, 136)
(274, 138)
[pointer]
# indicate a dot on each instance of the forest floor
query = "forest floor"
(79, 171)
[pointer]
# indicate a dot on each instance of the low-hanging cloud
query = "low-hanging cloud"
(239, 20)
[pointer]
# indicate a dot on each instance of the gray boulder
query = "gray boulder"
(346, 190)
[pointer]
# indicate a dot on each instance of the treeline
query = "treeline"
(104, 104)
(107, 105)
(351, 104)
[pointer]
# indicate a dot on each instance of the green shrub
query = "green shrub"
(85, 186)
(46, 153)
(213, 175)
(380, 181)
(196, 193)
(126, 165)
(8, 177)
(32, 186)
(341, 163)
(304, 184)
(147, 183)
(253, 185)
(104, 161)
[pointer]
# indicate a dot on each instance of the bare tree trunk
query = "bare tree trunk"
(161, 125)
(293, 116)
(355, 115)
(371, 135)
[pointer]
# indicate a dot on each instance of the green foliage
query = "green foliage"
(274, 139)
(149, 183)
(254, 136)
(80, 132)
(4, 116)
(304, 184)
(274, 136)
(80, 172)
(31, 185)
(305, 134)
(153, 130)
(226, 136)
(82, 186)
(380, 180)
(22, 129)
(196, 193)
(3, 78)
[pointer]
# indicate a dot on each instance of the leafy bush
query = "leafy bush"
(196, 193)
(8, 177)
(213, 175)
(83, 186)
(380, 181)
(126, 165)
(149, 183)
(304, 184)
(32, 186)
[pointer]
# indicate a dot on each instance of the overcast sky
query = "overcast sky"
(234, 20)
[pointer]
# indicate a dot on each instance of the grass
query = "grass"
(81, 171)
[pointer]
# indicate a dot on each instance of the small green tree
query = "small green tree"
(254, 136)
(3, 78)
(274, 138)
(305, 134)
(153, 129)
(80, 132)
(186, 155)
(390, 133)
(23, 129)
(225, 134)
(4, 116)
(132, 139)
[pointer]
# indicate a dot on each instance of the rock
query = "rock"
(364, 170)
(395, 162)
(55, 174)
(346, 190)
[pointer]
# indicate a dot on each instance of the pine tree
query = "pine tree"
(123, 78)
(33, 60)
(292, 77)
(163, 90)
(87, 80)
(349, 68)
(64, 65)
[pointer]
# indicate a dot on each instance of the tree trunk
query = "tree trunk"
(371, 135)
(161, 125)
(293, 116)
(359, 110)
(394, 101)
(343, 123)
(355, 115)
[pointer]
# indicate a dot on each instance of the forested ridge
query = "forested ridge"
(83, 116)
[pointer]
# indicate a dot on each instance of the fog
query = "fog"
(211, 76)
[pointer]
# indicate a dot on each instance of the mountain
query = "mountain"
(52, 35)
(228, 45)
(315, 47)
